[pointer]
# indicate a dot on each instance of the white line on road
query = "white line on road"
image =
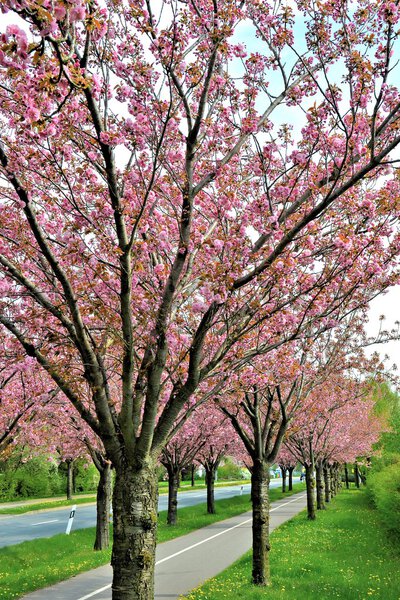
(106, 587)
(45, 522)
(103, 589)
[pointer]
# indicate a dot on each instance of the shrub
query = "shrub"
(230, 470)
(37, 477)
(86, 477)
(384, 489)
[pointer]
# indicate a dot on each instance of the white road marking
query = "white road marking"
(218, 534)
(45, 522)
(106, 587)
(103, 589)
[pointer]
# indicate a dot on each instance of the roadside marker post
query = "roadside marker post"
(70, 520)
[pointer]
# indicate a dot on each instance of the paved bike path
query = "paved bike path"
(183, 563)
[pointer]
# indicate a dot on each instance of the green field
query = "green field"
(344, 554)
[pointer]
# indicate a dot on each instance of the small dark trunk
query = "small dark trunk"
(260, 504)
(338, 480)
(192, 475)
(70, 484)
(346, 476)
(173, 485)
(135, 525)
(210, 480)
(356, 475)
(283, 471)
(102, 540)
(310, 483)
(290, 471)
(327, 483)
(320, 486)
(332, 481)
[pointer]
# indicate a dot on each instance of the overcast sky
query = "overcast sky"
(389, 306)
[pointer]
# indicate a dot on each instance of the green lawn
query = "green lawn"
(19, 510)
(344, 554)
(40, 563)
(51, 503)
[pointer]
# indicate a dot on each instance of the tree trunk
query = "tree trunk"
(332, 481)
(210, 480)
(327, 483)
(310, 483)
(283, 471)
(173, 485)
(346, 475)
(260, 505)
(338, 480)
(356, 475)
(192, 475)
(290, 471)
(135, 525)
(320, 486)
(102, 540)
(70, 485)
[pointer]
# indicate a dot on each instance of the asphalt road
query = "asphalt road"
(181, 564)
(41, 524)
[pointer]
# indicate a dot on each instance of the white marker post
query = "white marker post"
(71, 518)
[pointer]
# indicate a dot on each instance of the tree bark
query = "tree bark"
(103, 505)
(210, 480)
(193, 468)
(337, 477)
(320, 486)
(327, 483)
(332, 481)
(70, 484)
(260, 505)
(135, 525)
(290, 471)
(173, 485)
(310, 483)
(346, 476)
(356, 475)
(283, 472)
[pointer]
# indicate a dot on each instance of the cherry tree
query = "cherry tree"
(282, 393)
(157, 208)
(287, 464)
(269, 395)
(64, 432)
(221, 440)
(177, 454)
(25, 395)
(335, 426)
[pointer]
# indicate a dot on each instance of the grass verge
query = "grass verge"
(19, 510)
(47, 504)
(40, 563)
(344, 554)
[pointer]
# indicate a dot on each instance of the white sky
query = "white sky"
(388, 305)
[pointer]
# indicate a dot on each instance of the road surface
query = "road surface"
(39, 524)
(181, 564)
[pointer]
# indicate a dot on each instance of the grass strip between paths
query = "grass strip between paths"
(40, 563)
(20, 510)
(47, 504)
(344, 554)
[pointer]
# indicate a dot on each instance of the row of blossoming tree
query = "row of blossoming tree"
(189, 190)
